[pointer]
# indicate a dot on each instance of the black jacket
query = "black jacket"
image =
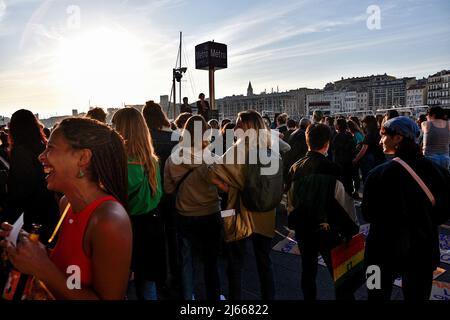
(344, 149)
(163, 144)
(185, 108)
(203, 112)
(297, 141)
(28, 193)
(403, 223)
(316, 197)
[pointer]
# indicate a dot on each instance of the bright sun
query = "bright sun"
(104, 66)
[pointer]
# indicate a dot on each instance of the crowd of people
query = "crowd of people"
(132, 218)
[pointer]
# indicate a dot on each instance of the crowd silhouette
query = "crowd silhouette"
(136, 221)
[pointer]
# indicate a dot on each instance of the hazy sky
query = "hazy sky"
(59, 55)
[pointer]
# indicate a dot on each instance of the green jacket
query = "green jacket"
(140, 199)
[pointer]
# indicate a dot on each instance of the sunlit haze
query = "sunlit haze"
(56, 56)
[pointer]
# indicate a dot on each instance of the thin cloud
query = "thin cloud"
(268, 42)
(2, 9)
(151, 5)
(241, 30)
(291, 32)
(3, 32)
(327, 46)
(237, 26)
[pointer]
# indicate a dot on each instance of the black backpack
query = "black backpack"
(263, 192)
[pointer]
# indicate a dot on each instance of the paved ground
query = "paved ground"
(287, 269)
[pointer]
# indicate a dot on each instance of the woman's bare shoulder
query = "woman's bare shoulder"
(111, 212)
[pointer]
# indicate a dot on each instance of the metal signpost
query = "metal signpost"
(211, 56)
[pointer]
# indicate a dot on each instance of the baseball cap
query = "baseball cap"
(403, 126)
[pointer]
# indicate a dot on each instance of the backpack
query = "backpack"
(261, 192)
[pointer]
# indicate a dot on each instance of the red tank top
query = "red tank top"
(69, 247)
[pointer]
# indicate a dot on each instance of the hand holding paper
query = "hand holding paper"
(5, 229)
(14, 233)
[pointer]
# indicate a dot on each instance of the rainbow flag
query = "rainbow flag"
(347, 259)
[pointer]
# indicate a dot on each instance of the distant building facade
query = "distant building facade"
(52, 121)
(416, 95)
(438, 86)
(337, 102)
(361, 94)
(293, 102)
(386, 93)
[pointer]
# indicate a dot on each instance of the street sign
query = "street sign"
(211, 55)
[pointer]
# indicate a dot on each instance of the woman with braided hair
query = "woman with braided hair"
(86, 161)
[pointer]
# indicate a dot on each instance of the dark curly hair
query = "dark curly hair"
(154, 116)
(97, 114)
(109, 160)
(26, 130)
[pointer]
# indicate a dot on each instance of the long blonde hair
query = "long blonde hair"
(251, 119)
(130, 123)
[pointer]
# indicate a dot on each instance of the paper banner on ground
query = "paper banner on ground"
(444, 241)
(436, 273)
(364, 229)
(440, 291)
(445, 226)
(445, 256)
(321, 261)
(288, 244)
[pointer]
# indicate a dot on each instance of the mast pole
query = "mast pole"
(174, 96)
(180, 62)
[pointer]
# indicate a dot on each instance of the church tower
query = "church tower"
(249, 89)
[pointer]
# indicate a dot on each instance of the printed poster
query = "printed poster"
(445, 256)
(444, 241)
(364, 229)
(288, 244)
(440, 291)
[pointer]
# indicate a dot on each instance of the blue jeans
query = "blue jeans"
(146, 290)
(442, 160)
(187, 270)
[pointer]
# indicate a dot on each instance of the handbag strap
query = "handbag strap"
(4, 162)
(182, 179)
(417, 178)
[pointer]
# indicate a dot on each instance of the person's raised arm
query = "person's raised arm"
(361, 154)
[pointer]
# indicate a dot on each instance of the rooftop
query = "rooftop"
(441, 73)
